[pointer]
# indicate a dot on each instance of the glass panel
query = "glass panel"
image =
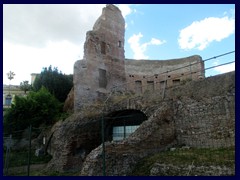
(118, 132)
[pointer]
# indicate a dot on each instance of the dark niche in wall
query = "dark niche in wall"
(102, 78)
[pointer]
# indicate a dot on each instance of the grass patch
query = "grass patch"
(200, 157)
(44, 173)
(20, 158)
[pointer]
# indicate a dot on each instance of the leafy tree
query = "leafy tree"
(57, 83)
(25, 86)
(36, 108)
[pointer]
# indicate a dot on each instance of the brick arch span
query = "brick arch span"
(137, 103)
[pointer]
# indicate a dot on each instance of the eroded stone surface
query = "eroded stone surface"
(103, 65)
(208, 110)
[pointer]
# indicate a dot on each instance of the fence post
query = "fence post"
(190, 68)
(29, 150)
(103, 148)
(8, 154)
(165, 83)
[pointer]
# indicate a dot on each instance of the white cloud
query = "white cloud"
(139, 49)
(39, 35)
(232, 13)
(224, 68)
(26, 60)
(201, 33)
(155, 41)
(35, 24)
(125, 8)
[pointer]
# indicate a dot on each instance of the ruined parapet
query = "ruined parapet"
(152, 74)
(102, 67)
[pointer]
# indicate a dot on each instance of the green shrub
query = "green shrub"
(56, 83)
(36, 108)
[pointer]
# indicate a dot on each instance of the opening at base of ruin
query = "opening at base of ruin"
(120, 124)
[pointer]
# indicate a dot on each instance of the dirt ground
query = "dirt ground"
(24, 169)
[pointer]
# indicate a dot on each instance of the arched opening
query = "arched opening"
(120, 124)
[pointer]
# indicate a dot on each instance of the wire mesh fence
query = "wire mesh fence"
(203, 138)
(194, 70)
(200, 146)
(200, 141)
(22, 149)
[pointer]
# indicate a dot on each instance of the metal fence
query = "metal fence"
(23, 149)
(216, 139)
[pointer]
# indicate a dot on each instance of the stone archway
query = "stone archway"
(155, 133)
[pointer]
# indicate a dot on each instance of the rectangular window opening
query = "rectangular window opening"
(163, 84)
(122, 132)
(150, 85)
(103, 47)
(138, 86)
(119, 44)
(176, 81)
(8, 100)
(102, 78)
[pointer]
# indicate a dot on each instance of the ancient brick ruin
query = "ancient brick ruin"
(143, 75)
(105, 69)
(103, 65)
(198, 112)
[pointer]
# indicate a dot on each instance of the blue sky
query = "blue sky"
(175, 25)
(36, 36)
